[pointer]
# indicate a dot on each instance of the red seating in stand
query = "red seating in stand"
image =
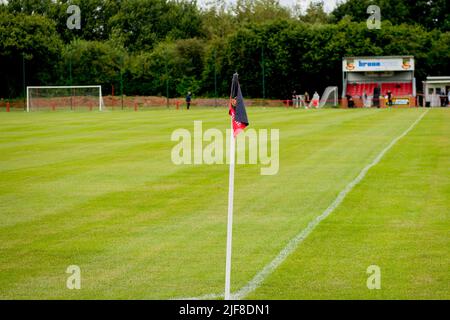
(358, 89)
(397, 88)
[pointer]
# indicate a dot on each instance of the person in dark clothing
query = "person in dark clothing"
(188, 100)
(294, 99)
(350, 102)
(376, 96)
(389, 94)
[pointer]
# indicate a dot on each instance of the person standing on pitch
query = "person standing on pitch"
(295, 99)
(365, 100)
(376, 96)
(389, 98)
(315, 100)
(188, 100)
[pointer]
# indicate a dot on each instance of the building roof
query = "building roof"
(377, 57)
(437, 79)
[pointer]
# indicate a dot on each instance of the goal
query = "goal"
(64, 98)
(329, 97)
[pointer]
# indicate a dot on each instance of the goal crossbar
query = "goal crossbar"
(62, 87)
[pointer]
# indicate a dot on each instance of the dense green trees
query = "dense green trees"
(315, 13)
(90, 62)
(172, 66)
(431, 14)
(160, 47)
(29, 40)
(140, 24)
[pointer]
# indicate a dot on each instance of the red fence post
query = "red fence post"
(7, 106)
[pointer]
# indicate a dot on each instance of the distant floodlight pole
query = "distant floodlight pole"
(263, 73)
(70, 78)
(70, 68)
(23, 81)
(121, 79)
(167, 84)
(215, 79)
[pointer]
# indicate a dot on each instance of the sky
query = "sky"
(329, 5)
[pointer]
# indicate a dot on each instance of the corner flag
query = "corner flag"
(238, 123)
(237, 107)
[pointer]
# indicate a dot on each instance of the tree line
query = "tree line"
(169, 47)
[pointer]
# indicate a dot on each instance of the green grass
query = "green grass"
(99, 190)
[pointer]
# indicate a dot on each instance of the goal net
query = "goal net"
(329, 97)
(64, 98)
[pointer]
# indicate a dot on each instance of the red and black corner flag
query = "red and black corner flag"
(239, 122)
(237, 107)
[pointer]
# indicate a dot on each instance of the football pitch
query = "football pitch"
(100, 191)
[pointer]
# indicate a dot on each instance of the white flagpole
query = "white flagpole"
(230, 215)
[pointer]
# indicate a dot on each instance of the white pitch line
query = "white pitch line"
(257, 280)
(209, 296)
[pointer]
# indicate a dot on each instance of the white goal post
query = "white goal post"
(64, 97)
(329, 97)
